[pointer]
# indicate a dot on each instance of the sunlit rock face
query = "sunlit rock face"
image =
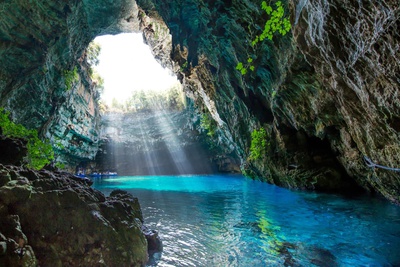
(39, 42)
(327, 93)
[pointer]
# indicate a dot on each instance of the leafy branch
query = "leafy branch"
(243, 68)
(276, 23)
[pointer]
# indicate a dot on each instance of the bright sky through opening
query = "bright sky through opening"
(126, 64)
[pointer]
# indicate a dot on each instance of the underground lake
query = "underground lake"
(238, 133)
(230, 220)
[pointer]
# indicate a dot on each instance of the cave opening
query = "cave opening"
(127, 66)
(144, 115)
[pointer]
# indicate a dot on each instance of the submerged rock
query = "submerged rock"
(294, 253)
(154, 245)
(55, 219)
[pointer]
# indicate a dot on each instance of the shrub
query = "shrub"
(258, 144)
(208, 124)
(276, 23)
(39, 153)
(70, 77)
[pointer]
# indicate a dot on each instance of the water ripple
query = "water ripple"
(230, 221)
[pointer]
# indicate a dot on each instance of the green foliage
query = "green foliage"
(258, 144)
(208, 124)
(276, 23)
(92, 58)
(170, 99)
(60, 165)
(92, 53)
(39, 153)
(184, 66)
(244, 68)
(241, 68)
(98, 82)
(70, 77)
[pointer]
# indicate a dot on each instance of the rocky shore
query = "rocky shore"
(52, 218)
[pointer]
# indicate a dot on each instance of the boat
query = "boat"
(110, 174)
(103, 174)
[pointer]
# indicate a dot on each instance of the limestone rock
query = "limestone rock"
(14, 250)
(326, 92)
(40, 42)
(354, 49)
(56, 219)
(12, 150)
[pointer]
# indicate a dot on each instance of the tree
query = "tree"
(92, 53)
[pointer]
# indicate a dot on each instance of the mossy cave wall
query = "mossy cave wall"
(327, 93)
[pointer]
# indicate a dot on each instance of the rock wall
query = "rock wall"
(354, 49)
(57, 219)
(42, 41)
(326, 93)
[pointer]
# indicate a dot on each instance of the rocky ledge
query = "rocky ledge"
(52, 218)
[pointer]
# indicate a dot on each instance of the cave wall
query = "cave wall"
(327, 93)
(354, 49)
(41, 41)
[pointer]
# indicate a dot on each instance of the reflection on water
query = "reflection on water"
(269, 234)
(234, 221)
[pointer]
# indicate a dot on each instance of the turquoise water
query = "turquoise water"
(233, 221)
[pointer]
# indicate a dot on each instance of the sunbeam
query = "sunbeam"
(173, 144)
(144, 118)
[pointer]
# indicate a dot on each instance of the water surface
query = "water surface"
(230, 220)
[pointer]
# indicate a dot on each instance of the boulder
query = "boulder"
(54, 219)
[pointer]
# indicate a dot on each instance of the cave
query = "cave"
(251, 106)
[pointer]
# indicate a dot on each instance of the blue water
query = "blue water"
(234, 221)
